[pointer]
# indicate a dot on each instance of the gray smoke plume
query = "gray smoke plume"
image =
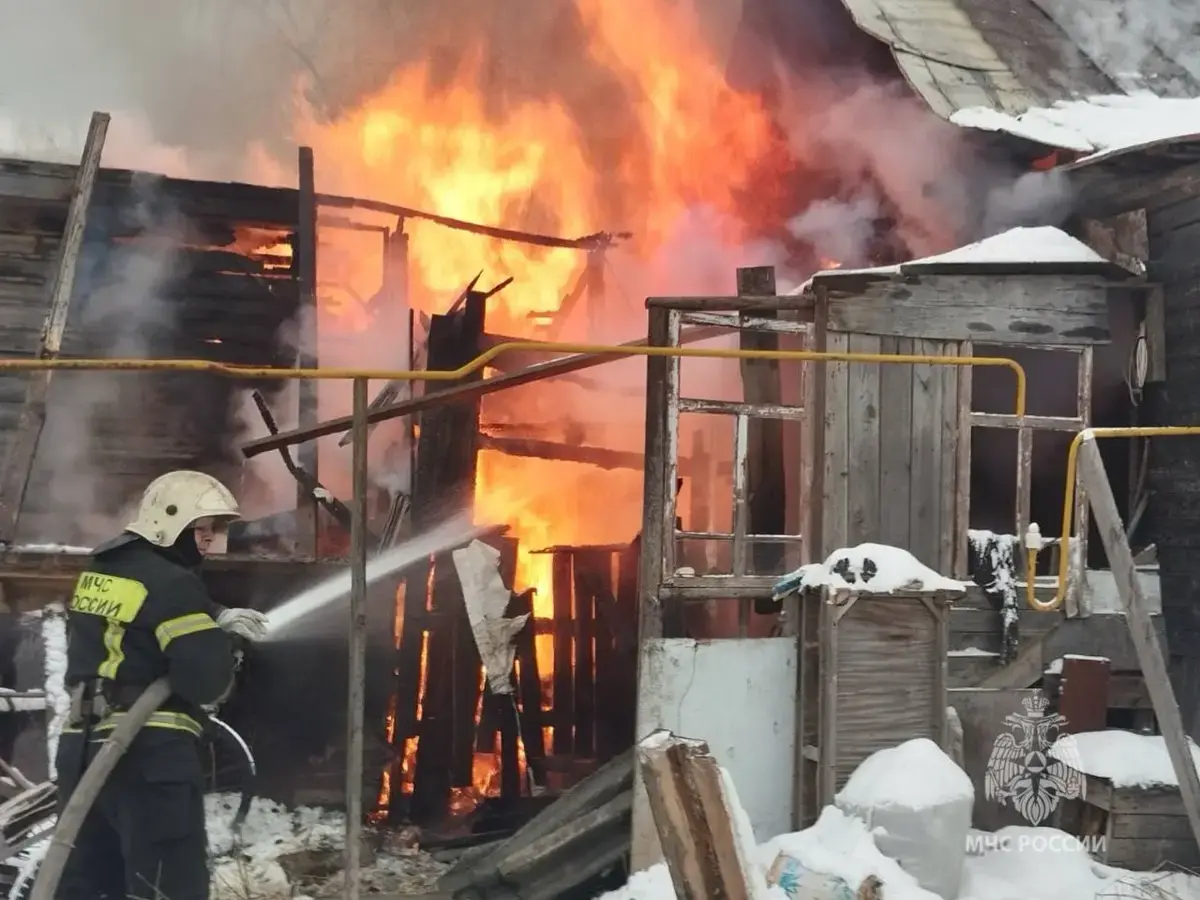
(93, 419)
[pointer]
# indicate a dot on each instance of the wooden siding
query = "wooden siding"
(160, 275)
(997, 309)
(891, 457)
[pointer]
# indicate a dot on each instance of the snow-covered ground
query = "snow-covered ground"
(1016, 863)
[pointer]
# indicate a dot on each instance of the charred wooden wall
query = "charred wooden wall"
(169, 268)
(1174, 242)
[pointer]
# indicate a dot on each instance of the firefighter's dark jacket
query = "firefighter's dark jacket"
(138, 613)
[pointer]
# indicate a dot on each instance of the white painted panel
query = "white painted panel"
(739, 695)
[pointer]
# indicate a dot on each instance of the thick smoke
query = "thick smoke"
(119, 310)
(862, 171)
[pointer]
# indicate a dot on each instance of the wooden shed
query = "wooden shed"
(167, 268)
(894, 445)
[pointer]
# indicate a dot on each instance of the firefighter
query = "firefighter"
(139, 612)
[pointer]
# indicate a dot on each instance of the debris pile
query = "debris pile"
(872, 845)
(578, 840)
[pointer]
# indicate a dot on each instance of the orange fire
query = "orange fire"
(659, 136)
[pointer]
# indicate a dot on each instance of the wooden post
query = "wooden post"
(305, 271)
(588, 565)
(650, 550)
(766, 478)
(564, 684)
(19, 464)
(358, 647)
(445, 482)
(1150, 656)
(694, 820)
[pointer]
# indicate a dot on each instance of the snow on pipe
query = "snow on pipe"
(85, 793)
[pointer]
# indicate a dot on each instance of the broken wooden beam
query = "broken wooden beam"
(19, 464)
(600, 799)
(464, 393)
(1093, 477)
(694, 818)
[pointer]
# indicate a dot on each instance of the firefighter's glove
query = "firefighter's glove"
(247, 623)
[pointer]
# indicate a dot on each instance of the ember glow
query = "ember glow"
(673, 139)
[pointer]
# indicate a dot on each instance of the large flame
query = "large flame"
(680, 141)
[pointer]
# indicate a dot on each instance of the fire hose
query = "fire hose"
(85, 793)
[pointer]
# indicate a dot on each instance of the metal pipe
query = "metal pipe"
(1069, 493)
(85, 793)
(358, 645)
(483, 359)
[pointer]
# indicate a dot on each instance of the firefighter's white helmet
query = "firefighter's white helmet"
(176, 501)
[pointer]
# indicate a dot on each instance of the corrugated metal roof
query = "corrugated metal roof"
(1010, 55)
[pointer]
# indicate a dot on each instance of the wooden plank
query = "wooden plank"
(947, 538)
(863, 443)
(835, 488)
(816, 403)
(588, 565)
(1149, 854)
(766, 478)
(462, 393)
(563, 698)
(895, 430)
(925, 452)
(657, 529)
(962, 468)
(1154, 666)
(23, 448)
(1021, 310)
(305, 274)
(1076, 601)
(695, 821)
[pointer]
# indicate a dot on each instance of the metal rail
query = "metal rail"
(1069, 492)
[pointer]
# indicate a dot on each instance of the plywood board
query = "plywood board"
(738, 695)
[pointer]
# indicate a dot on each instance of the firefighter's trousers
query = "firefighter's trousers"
(144, 838)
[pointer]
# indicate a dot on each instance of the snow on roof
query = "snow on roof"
(1096, 125)
(1018, 245)
(1121, 757)
(915, 775)
(1043, 245)
(870, 568)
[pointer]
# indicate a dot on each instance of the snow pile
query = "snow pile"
(54, 638)
(270, 829)
(1045, 864)
(871, 568)
(1016, 863)
(240, 879)
(914, 775)
(919, 802)
(1121, 757)
(1096, 125)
